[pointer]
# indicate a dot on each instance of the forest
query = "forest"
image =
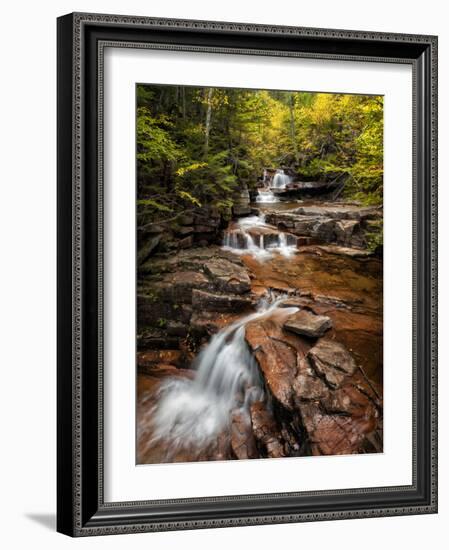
(198, 146)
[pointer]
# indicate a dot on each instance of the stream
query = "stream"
(189, 413)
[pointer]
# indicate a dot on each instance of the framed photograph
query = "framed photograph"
(246, 274)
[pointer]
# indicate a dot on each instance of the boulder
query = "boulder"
(277, 354)
(228, 276)
(307, 385)
(348, 232)
(306, 323)
(331, 361)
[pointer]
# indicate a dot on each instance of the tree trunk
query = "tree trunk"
(293, 128)
(208, 121)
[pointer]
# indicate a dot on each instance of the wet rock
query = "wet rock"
(266, 431)
(331, 361)
(336, 434)
(307, 385)
(338, 407)
(344, 224)
(149, 359)
(345, 251)
(228, 276)
(277, 354)
(264, 236)
(303, 241)
(308, 324)
(209, 301)
(243, 443)
(235, 238)
(340, 211)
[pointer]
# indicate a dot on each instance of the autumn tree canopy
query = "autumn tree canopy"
(198, 146)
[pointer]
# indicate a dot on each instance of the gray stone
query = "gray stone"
(228, 276)
(308, 324)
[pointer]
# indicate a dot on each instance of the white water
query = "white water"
(240, 241)
(280, 180)
(266, 196)
(191, 413)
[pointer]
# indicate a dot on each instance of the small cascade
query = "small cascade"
(253, 236)
(284, 247)
(266, 196)
(191, 413)
(280, 179)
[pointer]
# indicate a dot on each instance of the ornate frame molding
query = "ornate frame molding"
(82, 511)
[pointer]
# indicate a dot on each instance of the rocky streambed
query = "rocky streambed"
(268, 346)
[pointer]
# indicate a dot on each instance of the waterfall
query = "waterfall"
(280, 179)
(191, 413)
(240, 240)
(266, 196)
(284, 248)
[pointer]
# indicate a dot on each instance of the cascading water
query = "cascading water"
(280, 179)
(191, 413)
(240, 240)
(266, 196)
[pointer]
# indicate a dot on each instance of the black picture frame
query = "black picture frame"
(81, 510)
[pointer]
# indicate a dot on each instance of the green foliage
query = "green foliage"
(199, 146)
(374, 236)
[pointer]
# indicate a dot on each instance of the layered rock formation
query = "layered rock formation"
(190, 295)
(345, 225)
